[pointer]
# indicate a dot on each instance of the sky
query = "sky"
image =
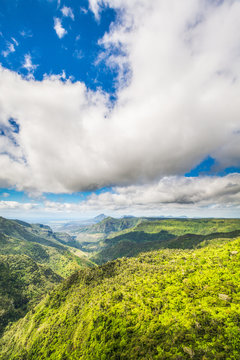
(119, 107)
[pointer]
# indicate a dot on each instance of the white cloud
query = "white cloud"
(180, 104)
(27, 64)
(60, 31)
(5, 194)
(15, 205)
(10, 49)
(175, 195)
(67, 11)
(94, 7)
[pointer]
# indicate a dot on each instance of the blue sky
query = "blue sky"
(28, 26)
(108, 106)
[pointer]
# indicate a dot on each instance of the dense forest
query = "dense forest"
(179, 301)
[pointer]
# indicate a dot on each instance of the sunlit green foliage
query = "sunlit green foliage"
(167, 304)
(32, 261)
(113, 238)
(192, 226)
(135, 242)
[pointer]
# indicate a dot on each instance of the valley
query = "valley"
(147, 289)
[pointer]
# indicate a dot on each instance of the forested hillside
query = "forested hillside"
(167, 304)
(41, 245)
(23, 282)
(32, 262)
(109, 225)
(165, 233)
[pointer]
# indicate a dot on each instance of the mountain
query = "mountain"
(99, 218)
(109, 225)
(165, 304)
(23, 282)
(41, 245)
(136, 242)
(32, 262)
(149, 234)
(112, 238)
(88, 238)
(75, 225)
(181, 226)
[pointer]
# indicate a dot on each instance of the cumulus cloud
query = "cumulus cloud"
(15, 205)
(175, 193)
(177, 102)
(67, 12)
(60, 31)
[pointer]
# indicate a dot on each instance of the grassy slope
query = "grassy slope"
(168, 304)
(23, 282)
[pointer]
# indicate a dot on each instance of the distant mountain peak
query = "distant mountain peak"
(100, 217)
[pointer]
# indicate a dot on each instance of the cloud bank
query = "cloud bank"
(177, 102)
(173, 195)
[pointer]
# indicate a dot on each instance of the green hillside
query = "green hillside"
(41, 245)
(149, 235)
(167, 304)
(23, 282)
(109, 225)
(129, 231)
(192, 226)
(135, 242)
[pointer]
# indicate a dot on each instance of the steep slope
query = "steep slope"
(96, 237)
(21, 230)
(23, 282)
(75, 225)
(165, 233)
(135, 242)
(168, 304)
(109, 225)
(89, 238)
(19, 238)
